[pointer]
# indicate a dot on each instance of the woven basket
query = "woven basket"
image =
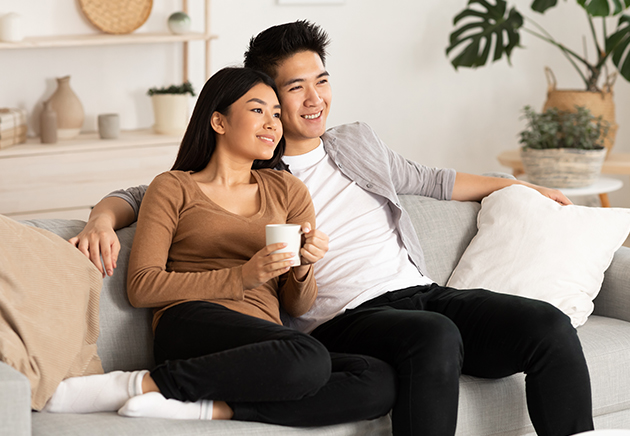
(563, 167)
(599, 103)
(117, 16)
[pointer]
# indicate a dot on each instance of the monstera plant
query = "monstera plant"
(488, 24)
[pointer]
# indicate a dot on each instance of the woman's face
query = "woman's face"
(252, 127)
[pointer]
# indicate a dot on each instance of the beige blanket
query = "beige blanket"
(49, 302)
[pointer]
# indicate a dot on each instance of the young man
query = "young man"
(375, 297)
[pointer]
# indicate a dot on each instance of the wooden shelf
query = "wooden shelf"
(103, 39)
(88, 142)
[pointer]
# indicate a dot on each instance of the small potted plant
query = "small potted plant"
(563, 149)
(170, 108)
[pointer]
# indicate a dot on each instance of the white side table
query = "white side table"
(603, 185)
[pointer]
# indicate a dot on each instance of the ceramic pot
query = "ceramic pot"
(48, 124)
(70, 114)
(171, 113)
(563, 167)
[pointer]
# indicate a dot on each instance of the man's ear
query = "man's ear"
(217, 121)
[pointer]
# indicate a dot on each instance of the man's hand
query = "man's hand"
(97, 239)
(554, 194)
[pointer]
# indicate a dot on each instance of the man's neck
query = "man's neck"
(297, 148)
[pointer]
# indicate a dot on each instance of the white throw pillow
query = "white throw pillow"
(529, 245)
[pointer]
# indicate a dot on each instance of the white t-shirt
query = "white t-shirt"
(366, 257)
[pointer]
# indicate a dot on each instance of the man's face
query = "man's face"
(305, 95)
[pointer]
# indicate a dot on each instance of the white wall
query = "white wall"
(387, 63)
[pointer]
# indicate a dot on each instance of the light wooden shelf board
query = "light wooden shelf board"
(89, 142)
(103, 39)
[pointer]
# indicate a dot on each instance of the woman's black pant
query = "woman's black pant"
(431, 334)
(264, 371)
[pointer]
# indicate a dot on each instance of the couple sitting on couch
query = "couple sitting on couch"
(375, 332)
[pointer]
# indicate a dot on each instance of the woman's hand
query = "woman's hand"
(315, 245)
(264, 266)
(96, 239)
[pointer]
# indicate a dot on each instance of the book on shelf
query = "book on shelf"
(12, 117)
(17, 131)
(8, 142)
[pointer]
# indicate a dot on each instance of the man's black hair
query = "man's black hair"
(272, 46)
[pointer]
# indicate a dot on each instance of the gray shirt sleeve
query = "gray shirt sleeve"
(133, 196)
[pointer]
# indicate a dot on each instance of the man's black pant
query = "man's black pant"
(432, 334)
(264, 371)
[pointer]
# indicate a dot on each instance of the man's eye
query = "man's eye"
(295, 88)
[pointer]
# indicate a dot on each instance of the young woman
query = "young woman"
(199, 259)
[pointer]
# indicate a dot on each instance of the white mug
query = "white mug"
(291, 234)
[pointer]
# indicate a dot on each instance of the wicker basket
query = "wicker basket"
(599, 103)
(563, 167)
(117, 16)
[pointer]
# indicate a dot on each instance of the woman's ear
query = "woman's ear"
(217, 121)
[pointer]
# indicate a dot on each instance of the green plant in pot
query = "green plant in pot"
(488, 24)
(563, 149)
(171, 108)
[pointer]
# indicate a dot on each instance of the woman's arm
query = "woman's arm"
(149, 284)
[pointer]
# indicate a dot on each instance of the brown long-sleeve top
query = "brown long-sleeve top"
(188, 248)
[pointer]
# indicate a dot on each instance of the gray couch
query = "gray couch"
(487, 407)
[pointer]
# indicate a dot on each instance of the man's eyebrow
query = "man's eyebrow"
(297, 80)
(259, 101)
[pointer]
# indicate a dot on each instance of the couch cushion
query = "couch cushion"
(529, 245)
(445, 228)
(110, 424)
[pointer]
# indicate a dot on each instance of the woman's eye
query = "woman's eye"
(257, 110)
(277, 115)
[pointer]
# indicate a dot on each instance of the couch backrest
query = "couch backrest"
(445, 229)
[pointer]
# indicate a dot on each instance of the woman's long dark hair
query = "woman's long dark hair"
(220, 91)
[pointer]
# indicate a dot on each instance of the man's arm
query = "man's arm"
(98, 237)
(470, 187)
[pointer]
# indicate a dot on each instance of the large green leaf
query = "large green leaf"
(542, 5)
(480, 28)
(602, 8)
(618, 44)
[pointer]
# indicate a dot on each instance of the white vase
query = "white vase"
(171, 113)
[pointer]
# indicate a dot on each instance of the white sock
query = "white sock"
(95, 393)
(155, 405)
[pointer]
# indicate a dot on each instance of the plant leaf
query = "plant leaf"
(485, 26)
(618, 45)
(542, 5)
(602, 8)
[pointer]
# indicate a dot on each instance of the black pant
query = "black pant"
(264, 371)
(431, 334)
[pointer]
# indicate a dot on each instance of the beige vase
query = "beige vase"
(70, 114)
(171, 113)
(599, 103)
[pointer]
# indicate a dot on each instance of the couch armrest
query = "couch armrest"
(613, 299)
(15, 402)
